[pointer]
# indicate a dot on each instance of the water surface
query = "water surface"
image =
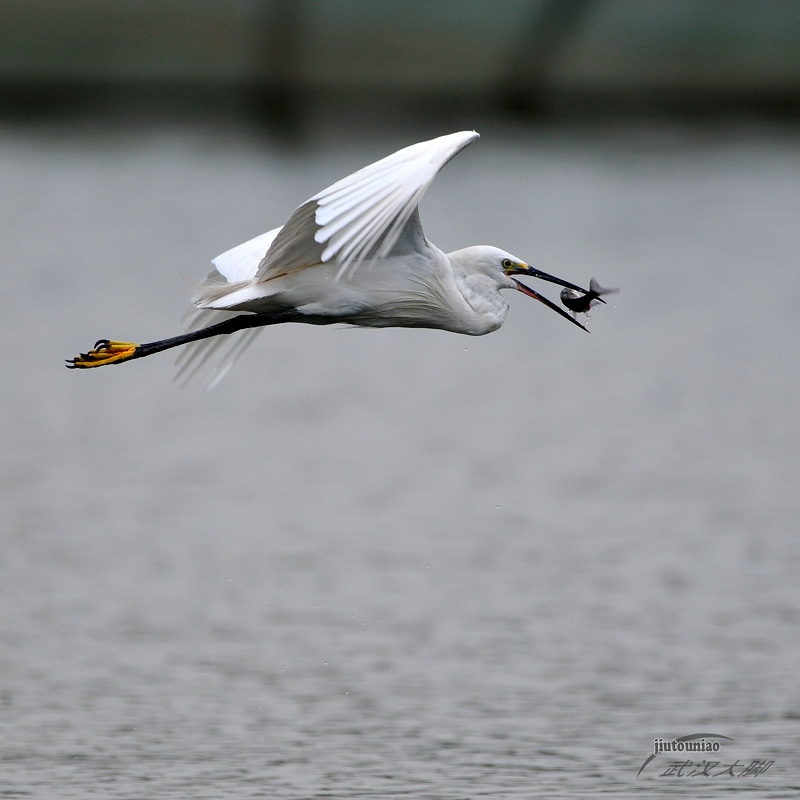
(402, 563)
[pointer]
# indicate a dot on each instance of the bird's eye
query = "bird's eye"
(507, 263)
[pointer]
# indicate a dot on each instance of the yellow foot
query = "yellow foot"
(104, 352)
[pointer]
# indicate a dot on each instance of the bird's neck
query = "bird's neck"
(486, 307)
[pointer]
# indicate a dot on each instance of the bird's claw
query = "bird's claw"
(104, 352)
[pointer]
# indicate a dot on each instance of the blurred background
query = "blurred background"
(402, 563)
(280, 59)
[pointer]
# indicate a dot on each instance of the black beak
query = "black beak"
(535, 273)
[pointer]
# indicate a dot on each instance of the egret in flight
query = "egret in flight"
(355, 253)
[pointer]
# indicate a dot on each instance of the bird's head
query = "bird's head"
(502, 266)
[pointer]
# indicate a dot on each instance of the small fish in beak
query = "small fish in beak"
(524, 269)
(582, 302)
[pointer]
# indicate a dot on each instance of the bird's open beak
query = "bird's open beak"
(535, 273)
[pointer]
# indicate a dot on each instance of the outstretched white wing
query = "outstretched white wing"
(361, 214)
(365, 212)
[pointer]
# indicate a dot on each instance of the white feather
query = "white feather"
(240, 263)
(365, 210)
(197, 355)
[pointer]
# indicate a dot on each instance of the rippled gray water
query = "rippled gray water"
(403, 563)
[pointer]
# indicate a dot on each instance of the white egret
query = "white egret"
(354, 253)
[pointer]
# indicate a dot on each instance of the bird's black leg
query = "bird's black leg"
(106, 351)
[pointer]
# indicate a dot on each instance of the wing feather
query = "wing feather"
(362, 212)
(351, 246)
(343, 199)
(240, 263)
(197, 355)
(348, 220)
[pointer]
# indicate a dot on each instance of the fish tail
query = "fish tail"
(595, 289)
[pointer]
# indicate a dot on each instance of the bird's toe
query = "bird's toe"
(104, 352)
